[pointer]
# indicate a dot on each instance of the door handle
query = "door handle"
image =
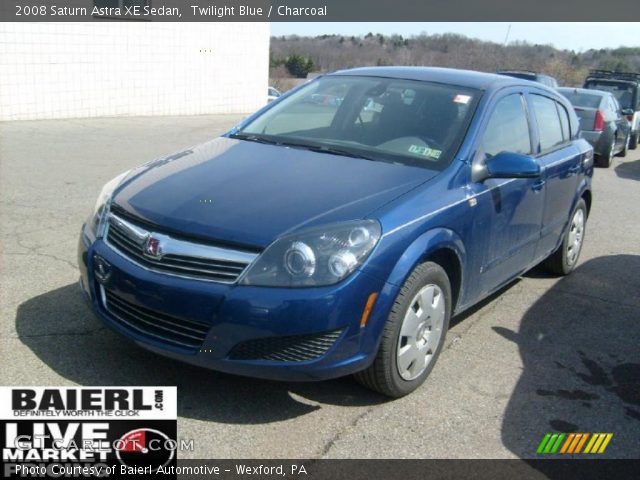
(536, 187)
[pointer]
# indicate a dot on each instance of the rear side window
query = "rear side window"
(549, 126)
(581, 99)
(623, 91)
(508, 128)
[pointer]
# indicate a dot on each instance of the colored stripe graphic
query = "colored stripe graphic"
(599, 443)
(543, 443)
(551, 442)
(569, 443)
(606, 442)
(582, 441)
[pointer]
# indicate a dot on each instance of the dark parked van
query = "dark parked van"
(542, 78)
(624, 86)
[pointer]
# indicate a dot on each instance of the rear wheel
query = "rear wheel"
(633, 142)
(623, 152)
(413, 335)
(605, 160)
(564, 260)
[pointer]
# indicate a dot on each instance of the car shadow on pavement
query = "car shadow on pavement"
(629, 170)
(581, 360)
(62, 331)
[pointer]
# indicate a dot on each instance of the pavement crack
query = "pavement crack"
(338, 435)
(480, 315)
(35, 251)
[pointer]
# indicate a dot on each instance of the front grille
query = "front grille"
(295, 348)
(170, 330)
(177, 257)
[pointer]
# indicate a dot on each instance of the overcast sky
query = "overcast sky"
(571, 36)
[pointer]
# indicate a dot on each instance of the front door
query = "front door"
(509, 211)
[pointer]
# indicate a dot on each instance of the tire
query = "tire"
(605, 160)
(391, 374)
(633, 141)
(625, 149)
(564, 260)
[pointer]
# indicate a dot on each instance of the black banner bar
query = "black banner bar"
(348, 469)
(318, 10)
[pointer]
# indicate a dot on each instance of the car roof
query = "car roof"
(524, 73)
(588, 91)
(449, 76)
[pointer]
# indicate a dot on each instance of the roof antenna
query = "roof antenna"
(506, 38)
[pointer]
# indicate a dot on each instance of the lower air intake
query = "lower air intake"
(295, 348)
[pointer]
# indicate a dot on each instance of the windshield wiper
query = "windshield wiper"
(250, 137)
(327, 149)
(306, 146)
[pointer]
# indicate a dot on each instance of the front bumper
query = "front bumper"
(236, 316)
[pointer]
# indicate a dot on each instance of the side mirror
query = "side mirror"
(512, 165)
(627, 111)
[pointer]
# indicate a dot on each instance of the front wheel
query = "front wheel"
(413, 335)
(564, 260)
(633, 143)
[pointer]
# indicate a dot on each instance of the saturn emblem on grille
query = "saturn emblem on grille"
(152, 247)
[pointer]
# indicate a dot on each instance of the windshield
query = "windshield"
(622, 91)
(385, 119)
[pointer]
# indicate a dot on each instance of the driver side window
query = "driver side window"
(508, 128)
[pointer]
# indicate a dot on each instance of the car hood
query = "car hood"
(247, 193)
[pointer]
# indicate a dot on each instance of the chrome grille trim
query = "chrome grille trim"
(177, 257)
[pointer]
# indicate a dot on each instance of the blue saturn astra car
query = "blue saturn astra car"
(324, 238)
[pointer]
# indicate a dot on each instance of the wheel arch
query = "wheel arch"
(442, 246)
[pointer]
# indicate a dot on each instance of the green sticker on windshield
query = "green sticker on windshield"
(425, 151)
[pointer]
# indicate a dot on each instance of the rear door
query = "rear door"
(560, 161)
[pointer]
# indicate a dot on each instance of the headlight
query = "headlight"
(315, 257)
(98, 218)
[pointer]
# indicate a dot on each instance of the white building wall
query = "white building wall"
(68, 70)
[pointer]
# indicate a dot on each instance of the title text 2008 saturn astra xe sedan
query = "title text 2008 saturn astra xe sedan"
(338, 229)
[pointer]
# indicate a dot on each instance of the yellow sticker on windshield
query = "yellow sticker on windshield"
(425, 151)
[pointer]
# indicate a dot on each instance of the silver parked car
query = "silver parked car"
(602, 122)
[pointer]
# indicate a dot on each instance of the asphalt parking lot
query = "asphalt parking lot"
(547, 354)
